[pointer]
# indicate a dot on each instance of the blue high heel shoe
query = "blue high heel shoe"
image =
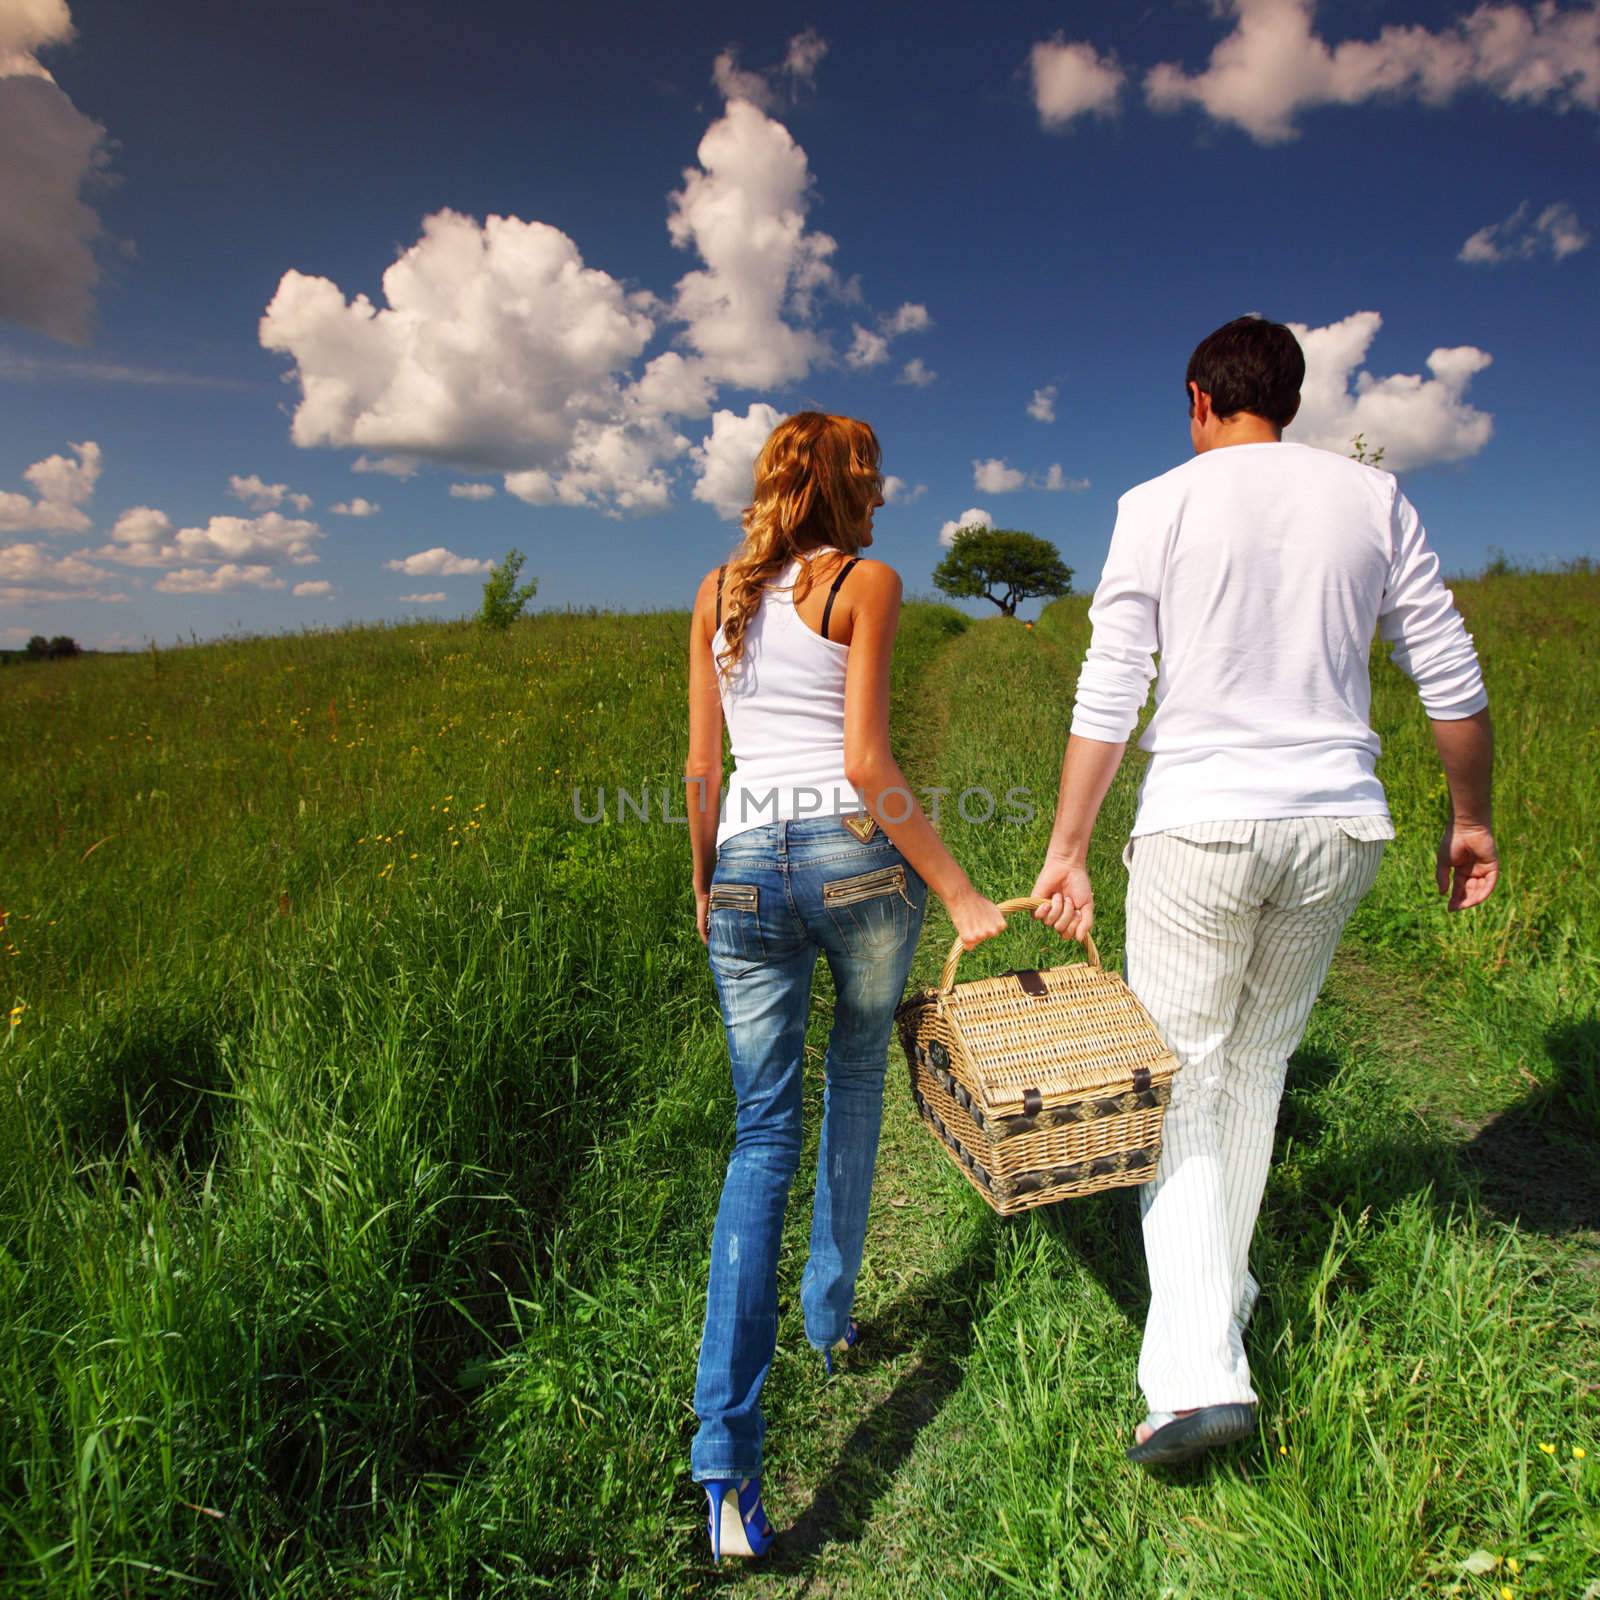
(851, 1334)
(735, 1516)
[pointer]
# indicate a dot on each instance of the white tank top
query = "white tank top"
(784, 705)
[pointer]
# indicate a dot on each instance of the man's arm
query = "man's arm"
(1430, 644)
(1086, 773)
(1112, 687)
(1468, 867)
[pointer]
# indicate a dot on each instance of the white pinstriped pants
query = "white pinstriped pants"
(1231, 930)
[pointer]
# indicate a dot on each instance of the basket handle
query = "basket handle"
(947, 976)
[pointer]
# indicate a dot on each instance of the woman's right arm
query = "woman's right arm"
(870, 765)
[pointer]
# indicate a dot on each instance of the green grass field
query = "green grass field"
(368, 1113)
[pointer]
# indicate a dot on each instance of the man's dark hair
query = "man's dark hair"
(1249, 364)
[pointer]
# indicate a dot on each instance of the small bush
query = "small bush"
(502, 599)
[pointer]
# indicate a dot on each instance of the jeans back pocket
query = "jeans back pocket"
(871, 911)
(733, 922)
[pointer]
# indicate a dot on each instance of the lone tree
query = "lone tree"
(502, 599)
(1019, 566)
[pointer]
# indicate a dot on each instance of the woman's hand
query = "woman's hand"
(702, 906)
(976, 917)
(1064, 884)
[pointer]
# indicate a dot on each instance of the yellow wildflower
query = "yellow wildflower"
(1549, 1449)
(1578, 1452)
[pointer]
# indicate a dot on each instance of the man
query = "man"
(1259, 570)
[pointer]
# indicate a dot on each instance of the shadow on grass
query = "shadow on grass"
(162, 1066)
(935, 1324)
(1537, 1163)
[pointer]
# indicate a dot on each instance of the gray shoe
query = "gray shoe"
(1183, 1438)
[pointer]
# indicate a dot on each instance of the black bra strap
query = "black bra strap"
(827, 610)
(720, 571)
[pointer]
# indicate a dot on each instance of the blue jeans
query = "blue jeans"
(780, 893)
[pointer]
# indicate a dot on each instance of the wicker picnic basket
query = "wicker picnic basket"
(1040, 1085)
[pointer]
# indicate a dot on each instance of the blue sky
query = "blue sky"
(996, 236)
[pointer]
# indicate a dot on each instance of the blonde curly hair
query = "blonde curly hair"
(816, 479)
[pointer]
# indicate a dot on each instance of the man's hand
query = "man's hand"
(702, 905)
(1064, 883)
(1467, 868)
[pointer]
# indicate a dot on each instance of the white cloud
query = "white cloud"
(1556, 229)
(917, 373)
(22, 597)
(726, 457)
(439, 563)
(799, 66)
(738, 83)
(389, 466)
(215, 580)
(262, 496)
(359, 506)
(1273, 65)
(495, 340)
(143, 537)
(867, 349)
(744, 210)
(1072, 80)
(897, 492)
(1042, 408)
(62, 486)
(142, 528)
(606, 462)
(1416, 421)
(472, 491)
(50, 153)
(33, 564)
(495, 346)
(312, 589)
(271, 537)
(995, 477)
(28, 26)
(975, 518)
(49, 369)
(425, 599)
(805, 52)
(909, 318)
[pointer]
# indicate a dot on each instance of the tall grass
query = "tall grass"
(370, 1111)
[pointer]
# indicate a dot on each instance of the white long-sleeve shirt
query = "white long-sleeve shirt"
(1260, 572)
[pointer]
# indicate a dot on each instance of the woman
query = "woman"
(821, 846)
